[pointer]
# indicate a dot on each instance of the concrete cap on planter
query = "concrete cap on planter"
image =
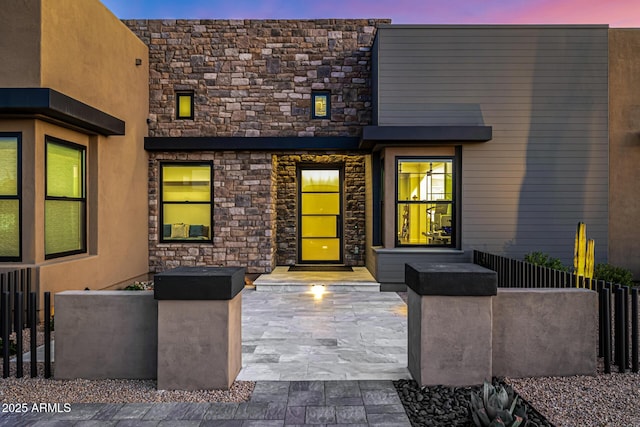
(199, 283)
(451, 279)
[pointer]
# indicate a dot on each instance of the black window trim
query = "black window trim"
(83, 199)
(18, 196)
(161, 201)
(178, 95)
(314, 94)
(454, 197)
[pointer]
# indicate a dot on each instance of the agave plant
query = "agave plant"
(497, 407)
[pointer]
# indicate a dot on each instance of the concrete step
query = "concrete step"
(320, 286)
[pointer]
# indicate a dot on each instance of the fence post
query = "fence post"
(18, 314)
(47, 334)
(6, 326)
(601, 323)
(634, 330)
(607, 330)
(621, 339)
(33, 334)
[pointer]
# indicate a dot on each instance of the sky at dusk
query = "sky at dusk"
(616, 13)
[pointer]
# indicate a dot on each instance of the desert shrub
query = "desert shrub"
(613, 274)
(544, 260)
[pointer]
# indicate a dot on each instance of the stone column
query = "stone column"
(199, 327)
(450, 323)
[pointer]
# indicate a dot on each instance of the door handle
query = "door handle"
(339, 226)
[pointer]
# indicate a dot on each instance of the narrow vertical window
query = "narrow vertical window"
(425, 202)
(320, 105)
(184, 105)
(186, 200)
(10, 197)
(65, 200)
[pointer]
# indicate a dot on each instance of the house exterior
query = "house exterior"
(278, 142)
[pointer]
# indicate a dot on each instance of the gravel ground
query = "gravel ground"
(28, 390)
(604, 400)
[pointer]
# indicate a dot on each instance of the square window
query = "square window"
(321, 105)
(184, 105)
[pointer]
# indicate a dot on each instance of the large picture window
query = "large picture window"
(186, 197)
(65, 199)
(425, 202)
(10, 192)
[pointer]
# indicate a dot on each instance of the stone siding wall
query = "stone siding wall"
(255, 77)
(243, 214)
(353, 204)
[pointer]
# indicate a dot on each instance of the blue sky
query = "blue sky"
(617, 13)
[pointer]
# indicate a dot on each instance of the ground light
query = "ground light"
(317, 291)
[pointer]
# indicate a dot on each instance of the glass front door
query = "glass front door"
(320, 215)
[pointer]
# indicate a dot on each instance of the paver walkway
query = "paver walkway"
(339, 336)
(273, 403)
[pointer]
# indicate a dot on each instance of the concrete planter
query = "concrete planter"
(106, 334)
(463, 330)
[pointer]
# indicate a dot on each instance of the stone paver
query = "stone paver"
(273, 403)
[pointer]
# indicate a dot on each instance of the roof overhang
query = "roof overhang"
(51, 105)
(373, 136)
(258, 143)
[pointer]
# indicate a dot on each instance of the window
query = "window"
(10, 192)
(65, 199)
(184, 105)
(425, 202)
(185, 197)
(320, 105)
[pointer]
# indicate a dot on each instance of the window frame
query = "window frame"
(315, 94)
(162, 164)
(83, 200)
(18, 196)
(184, 93)
(454, 197)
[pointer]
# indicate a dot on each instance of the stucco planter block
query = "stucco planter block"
(544, 332)
(199, 327)
(449, 323)
(200, 344)
(106, 334)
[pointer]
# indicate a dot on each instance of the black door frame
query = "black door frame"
(340, 226)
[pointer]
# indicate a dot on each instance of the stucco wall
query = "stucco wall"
(254, 78)
(624, 148)
(89, 55)
(20, 46)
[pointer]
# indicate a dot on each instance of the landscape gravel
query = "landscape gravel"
(440, 406)
(30, 390)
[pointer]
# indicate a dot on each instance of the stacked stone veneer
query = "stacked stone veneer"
(254, 78)
(243, 214)
(353, 204)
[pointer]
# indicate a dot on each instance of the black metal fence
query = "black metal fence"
(19, 311)
(617, 304)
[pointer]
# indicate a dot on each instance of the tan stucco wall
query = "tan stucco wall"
(89, 55)
(624, 149)
(20, 45)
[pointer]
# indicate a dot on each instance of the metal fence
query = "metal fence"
(19, 311)
(617, 304)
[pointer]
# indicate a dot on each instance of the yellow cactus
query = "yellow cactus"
(584, 252)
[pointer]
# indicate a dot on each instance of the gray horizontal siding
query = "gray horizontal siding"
(390, 263)
(544, 91)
